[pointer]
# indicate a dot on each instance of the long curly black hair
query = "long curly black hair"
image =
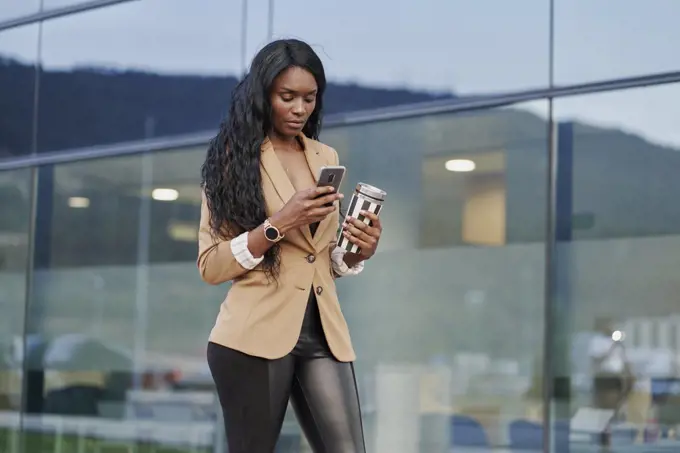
(231, 176)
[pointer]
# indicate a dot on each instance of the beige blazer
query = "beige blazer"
(263, 319)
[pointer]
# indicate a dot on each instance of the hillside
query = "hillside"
(87, 106)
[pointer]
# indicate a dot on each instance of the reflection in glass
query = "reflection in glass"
(18, 50)
(15, 197)
(117, 304)
(458, 334)
(12, 9)
(53, 4)
(120, 85)
(619, 245)
(447, 319)
(434, 59)
(636, 37)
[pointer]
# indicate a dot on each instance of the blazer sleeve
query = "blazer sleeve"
(216, 260)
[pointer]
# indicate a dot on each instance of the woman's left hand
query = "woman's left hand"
(364, 236)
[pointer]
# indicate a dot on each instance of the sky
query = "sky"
(461, 46)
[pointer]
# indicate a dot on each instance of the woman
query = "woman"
(280, 333)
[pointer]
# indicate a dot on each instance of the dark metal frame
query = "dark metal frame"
(549, 280)
(58, 12)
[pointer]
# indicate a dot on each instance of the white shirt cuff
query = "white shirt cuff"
(239, 247)
(340, 267)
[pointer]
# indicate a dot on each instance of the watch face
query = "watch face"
(271, 234)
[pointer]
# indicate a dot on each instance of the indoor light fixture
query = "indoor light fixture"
(617, 335)
(183, 231)
(78, 202)
(459, 165)
(164, 194)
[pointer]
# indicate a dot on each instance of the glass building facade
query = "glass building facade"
(477, 322)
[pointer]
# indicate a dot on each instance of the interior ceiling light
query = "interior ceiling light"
(182, 231)
(78, 202)
(164, 194)
(460, 165)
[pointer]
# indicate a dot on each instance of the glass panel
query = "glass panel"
(15, 196)
(458, 337)
(119, 305)
(619, 234)
(594, 41)
(121, 287)
(18, 50)
(452, 48)
(12, 9)
(137, 70)
(52, 4)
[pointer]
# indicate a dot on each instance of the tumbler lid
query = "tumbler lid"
(371, 191)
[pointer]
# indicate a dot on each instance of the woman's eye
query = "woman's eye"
(310, 100)
(286, 98)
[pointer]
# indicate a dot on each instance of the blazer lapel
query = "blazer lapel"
(277, 174)
(315, 160)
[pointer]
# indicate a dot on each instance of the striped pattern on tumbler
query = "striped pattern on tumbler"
(356, 205)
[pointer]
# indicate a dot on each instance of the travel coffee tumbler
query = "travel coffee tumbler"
(365, 198)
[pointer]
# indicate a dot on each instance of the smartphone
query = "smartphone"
(331, 175)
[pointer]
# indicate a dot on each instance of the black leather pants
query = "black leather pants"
(254, 395)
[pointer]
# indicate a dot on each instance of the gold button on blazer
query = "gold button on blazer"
(260, 318)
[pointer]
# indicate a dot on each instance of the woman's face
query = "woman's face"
(293, 98)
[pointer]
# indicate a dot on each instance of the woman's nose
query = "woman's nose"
(298, 108)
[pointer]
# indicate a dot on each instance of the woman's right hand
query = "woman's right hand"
(305, 207)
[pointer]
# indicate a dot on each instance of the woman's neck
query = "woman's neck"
(278, 140)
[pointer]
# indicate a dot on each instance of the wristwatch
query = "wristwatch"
(271, 232)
